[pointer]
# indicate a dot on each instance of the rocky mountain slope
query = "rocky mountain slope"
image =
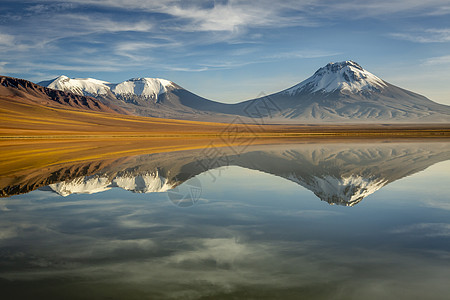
(27, 92)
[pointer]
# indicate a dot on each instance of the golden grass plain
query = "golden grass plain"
(19, 120)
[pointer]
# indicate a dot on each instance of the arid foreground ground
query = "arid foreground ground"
(19, 119)
(34, 135)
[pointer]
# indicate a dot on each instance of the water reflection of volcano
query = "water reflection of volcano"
(337, 173)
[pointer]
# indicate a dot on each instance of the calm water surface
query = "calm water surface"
(341, 220)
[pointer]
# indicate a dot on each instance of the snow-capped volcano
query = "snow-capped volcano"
(343, 76)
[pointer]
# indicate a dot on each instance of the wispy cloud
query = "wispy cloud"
(425, 36)
(236, 15)
(438, 60)
(356, 9)
(6, 40)
(88, 24)
(184, 69)
(81, 68)
(441, 11)
(52, 7)
(221, 16)
(262, 58)
(139, 50)
(303, 54)
(225, 15)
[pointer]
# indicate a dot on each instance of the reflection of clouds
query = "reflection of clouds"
(240, 248)
(425, 229)
(313, 213)
(436, 203)
(8, 232)
(212, 266)
(135, 220)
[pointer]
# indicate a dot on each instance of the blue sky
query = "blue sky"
(228, 50)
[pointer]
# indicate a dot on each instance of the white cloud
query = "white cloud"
(6, 40)
(441, 11)
(231, 16)
(139, 51)
(87, 24)
(183, 69)
(238, 12)
(43, 8)
(236, 15)
(425, 36)
(303, 54)
(74, 67)
(438, 60)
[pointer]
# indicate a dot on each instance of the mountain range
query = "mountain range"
(341, 92)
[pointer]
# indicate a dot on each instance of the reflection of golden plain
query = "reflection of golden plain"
(35, 136)
(23, 154)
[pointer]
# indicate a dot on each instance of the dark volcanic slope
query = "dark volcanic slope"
(29, 92)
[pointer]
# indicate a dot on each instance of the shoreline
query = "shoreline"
(270, 133)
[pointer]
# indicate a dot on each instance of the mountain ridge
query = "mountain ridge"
(29, 92)
(341, 92)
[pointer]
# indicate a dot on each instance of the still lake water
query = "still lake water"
(341, 220)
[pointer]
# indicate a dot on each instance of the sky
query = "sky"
(228, 51)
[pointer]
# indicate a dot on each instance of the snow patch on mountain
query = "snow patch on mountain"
(342, 76)
(145, 87)
(80, 86)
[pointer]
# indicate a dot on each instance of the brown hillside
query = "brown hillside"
(29, 92)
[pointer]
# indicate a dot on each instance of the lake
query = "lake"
(332, 219)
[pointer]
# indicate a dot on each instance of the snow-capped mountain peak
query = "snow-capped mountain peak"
(141, 87)
(146, 87)
(343, 76)
(80, 86)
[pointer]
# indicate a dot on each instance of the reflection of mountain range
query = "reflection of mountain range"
(337, 173)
